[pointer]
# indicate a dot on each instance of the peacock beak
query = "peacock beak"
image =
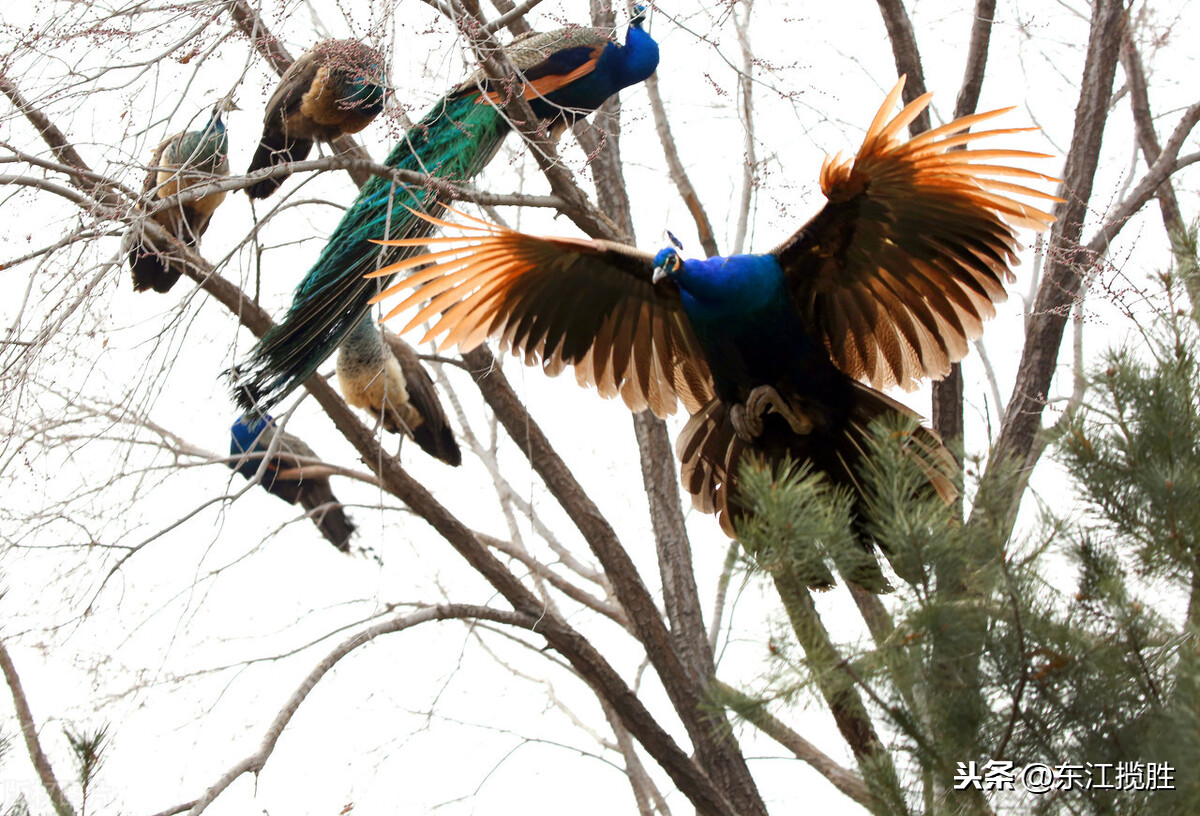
(660, 272)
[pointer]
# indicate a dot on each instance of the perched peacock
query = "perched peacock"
(336, 87)
(383, 375)
(180, 162)
(292, 472)
(565, 74)
(885, 285)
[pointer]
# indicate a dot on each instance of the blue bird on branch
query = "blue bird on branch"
(293, 472)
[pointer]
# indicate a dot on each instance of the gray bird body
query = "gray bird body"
(383, 375)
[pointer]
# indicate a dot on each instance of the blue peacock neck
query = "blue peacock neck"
(632, 63)
(736, 286)
(213, 144)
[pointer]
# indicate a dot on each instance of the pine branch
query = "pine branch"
(836, 686)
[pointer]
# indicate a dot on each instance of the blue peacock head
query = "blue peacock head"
(244, 434)
(667, 264)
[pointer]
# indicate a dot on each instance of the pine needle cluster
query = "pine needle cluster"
(1072, 646)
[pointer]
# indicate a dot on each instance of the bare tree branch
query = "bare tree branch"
(1143, 119)
(37, 756)
(1160, 171)
(977, 54)
(842, 778)
(746, 109)
(677, 172)
(906, 55)
(1067, 266)
(255, 762)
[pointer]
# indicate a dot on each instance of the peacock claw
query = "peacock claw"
(746, 425)
(747, 419)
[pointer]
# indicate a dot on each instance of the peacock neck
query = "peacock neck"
(364, 344)
(212, 147)
(632, 63)
(365, 97)
(719, 288)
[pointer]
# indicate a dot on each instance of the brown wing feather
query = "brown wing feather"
(547, 84)
(906, 260)
(558, 302)
(295, 81)
(434, 433)
(711, 455)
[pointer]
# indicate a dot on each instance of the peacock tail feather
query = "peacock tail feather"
(565, 74)
(453, 141)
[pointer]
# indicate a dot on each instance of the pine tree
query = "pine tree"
(1087, 679)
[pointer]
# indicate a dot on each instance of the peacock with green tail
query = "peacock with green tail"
(564, 75)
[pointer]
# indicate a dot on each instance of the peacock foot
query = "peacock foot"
(746, 425)
(765, 398)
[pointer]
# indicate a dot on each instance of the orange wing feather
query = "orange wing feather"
(543, 85)
(904, 263)
(556, 302)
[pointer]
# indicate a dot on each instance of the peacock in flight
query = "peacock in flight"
(564, 74)
(778, 354)
(180, 162)
(383, 375)
(292, 473)
(335, 88)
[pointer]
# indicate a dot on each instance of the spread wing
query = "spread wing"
(906, 260)
(558, 302)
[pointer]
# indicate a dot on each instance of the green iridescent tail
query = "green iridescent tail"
(454, 141)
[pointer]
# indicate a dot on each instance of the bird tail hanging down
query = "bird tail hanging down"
(316, 496)
(430, 430)
(275, 148)
(711, 453)
(152, 268)
(383, 375)
(455, 141)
